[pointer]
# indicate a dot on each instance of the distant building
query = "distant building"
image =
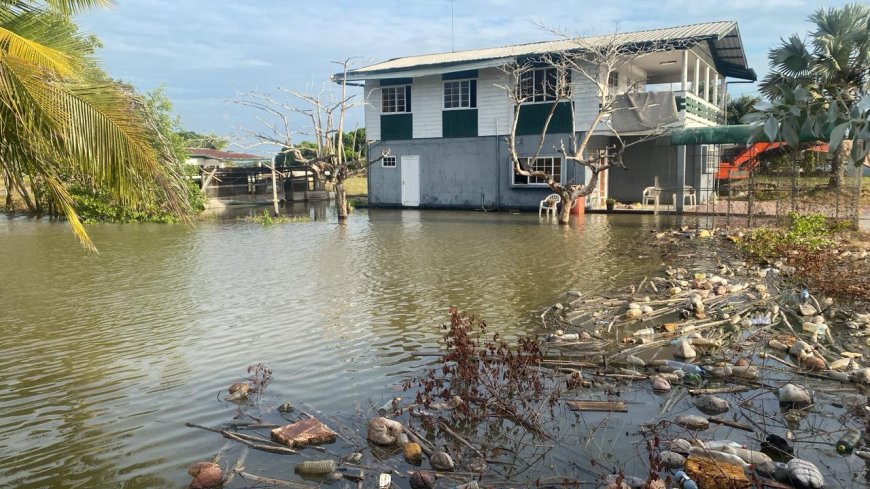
(212, 158)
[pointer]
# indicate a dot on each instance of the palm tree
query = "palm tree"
(61, 118)
(831, 67)
(739, 107)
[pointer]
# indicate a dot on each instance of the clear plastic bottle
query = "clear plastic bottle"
(685, 367)
(849, 442)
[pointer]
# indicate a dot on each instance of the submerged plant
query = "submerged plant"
(482, 377)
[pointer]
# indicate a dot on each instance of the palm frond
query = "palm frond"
(26, 48)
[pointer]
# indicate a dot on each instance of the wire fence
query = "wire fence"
(765, 190)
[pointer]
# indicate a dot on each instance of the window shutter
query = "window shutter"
(408, 98)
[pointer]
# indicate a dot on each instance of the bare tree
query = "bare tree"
(330, 163)
(592, 60)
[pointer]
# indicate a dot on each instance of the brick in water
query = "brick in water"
(306, 432)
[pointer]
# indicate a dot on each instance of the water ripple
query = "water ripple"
(105, 357)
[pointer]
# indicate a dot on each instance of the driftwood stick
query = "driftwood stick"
(239, 465)
(459, 438)
(274, 482)
(416, 438)
(719, 390)
(251, 441)
(260, 446)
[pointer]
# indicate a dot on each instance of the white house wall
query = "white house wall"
(373, 109)
(427, 95)
(494, 107)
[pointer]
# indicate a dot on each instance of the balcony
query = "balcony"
(695, 111)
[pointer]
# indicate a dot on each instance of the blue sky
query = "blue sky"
(204, 51)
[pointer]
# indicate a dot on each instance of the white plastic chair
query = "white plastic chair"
(550, 204)
(688, 195)
(650, 195)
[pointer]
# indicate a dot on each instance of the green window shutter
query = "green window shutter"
(533, 117)
(397, 126)
(459, 123)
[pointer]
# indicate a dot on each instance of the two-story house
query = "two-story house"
(444, 118)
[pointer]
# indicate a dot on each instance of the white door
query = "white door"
(411, 181)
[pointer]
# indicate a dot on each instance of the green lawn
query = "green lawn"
(356, 186)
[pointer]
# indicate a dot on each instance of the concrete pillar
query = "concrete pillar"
(706, 83)
(684, 80)
(697, 75)
(681, 178)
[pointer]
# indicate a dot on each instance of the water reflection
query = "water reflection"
(106, 356)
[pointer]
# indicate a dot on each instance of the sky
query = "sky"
(204, 52)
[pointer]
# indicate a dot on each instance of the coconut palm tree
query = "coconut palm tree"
(829, 71)
(61, 118)
(740, 106)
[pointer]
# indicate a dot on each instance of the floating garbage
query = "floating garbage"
(659, 383)
(442, 461)
(205, 475)
(672, 460)
(413, 453)
(711, 404)
(804, 474)
(316, 467)
(383, 431)
(692, 422)
(794, 394)
(685, 350)
(422, 480)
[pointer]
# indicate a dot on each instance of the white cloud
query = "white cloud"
(204, 50)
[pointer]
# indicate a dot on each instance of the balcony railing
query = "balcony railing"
(693, 107)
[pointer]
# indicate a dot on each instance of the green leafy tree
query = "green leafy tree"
(818, 86)
(740, 107)
(61, 118)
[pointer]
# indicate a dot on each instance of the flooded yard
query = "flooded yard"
(105, 357)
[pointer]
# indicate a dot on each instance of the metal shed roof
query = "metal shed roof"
(723, 38)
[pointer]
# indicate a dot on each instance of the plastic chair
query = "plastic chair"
(550, 204)
(688, 195)
(650, 195)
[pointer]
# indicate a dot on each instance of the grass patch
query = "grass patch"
(356, 186)
(267, 219)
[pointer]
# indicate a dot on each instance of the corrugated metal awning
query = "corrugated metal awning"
(722, 36)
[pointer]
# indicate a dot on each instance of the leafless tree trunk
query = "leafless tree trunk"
(326, 113)
(592, 63)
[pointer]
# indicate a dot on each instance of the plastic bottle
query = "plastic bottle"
(684, 480)
(316, 467)
(685, 367)
(720, 444)
(848, 442)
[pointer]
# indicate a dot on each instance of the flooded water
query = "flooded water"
(105, 357)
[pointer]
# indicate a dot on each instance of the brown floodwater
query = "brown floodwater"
(105, 356)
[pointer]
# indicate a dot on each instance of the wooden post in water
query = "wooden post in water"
(274, 188)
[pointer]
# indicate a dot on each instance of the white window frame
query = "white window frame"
(461, 106)
(544, 97)
(403, 89)
(555, 160)
(386, 159)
